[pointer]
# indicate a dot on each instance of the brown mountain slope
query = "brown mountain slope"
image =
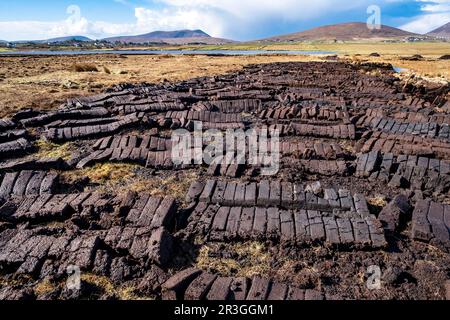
(344, 31)
(441, 32)
(171, 37)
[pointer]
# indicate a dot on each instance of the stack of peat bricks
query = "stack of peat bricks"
(362, 181)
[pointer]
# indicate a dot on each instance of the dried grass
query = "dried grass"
(44, 287)
(378, 201)
(49, 149)
(249, 259)
(103, 173)
(107, 286)
(83, 67)
(175, 185)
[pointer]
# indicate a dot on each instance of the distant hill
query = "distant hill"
(441, 32)
(344, 32)
(171, 37)
(54, 40)
(69, 38)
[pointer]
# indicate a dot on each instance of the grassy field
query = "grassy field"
(46, 82)
(350, 48)
(430, 67)
(422, 48)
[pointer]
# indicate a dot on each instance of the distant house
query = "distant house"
(417, 39)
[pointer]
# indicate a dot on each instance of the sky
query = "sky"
(231, 19)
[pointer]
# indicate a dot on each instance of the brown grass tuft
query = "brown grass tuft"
(49, 149)
(378, 201)
(108, 287)
(83, 67)
(44, 287)
(103, 173)
(175, 185)
(246, 259)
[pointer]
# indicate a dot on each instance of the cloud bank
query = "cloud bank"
(435, 14)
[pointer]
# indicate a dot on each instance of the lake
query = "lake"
(174, 52)
(399, 70)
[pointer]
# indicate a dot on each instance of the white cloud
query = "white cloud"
(436, 8)
(436, 14)
(426, 23)
(75, 24)
(166, 19)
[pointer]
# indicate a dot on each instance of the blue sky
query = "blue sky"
(235, 19)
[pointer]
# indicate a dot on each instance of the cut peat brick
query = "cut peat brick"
(287, 225)
(259, 289)
(165, 214)
(21, 183)
(238, 289)
(220, 289)
(239, 195)
(259, 223)
(174, 288)
(219, 191)
(273, 222)
(199, 288)
(430, 223)
(194, 192)
(246, 222)
(192, 284)
(275, 193)
(264, 193)
(250, 194)
(295, 294)
(7, 184)
(219, 223)
(391, 215)
(436, 219)
(208, 190)
(421, 228)
(160, 246)
(295, 227)
(233, 221)
(278, 291)
(229, 194)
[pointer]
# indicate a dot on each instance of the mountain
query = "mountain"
(171, 37)
(69, 38)
(54, 40)
(441, 32)
(344, 31)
